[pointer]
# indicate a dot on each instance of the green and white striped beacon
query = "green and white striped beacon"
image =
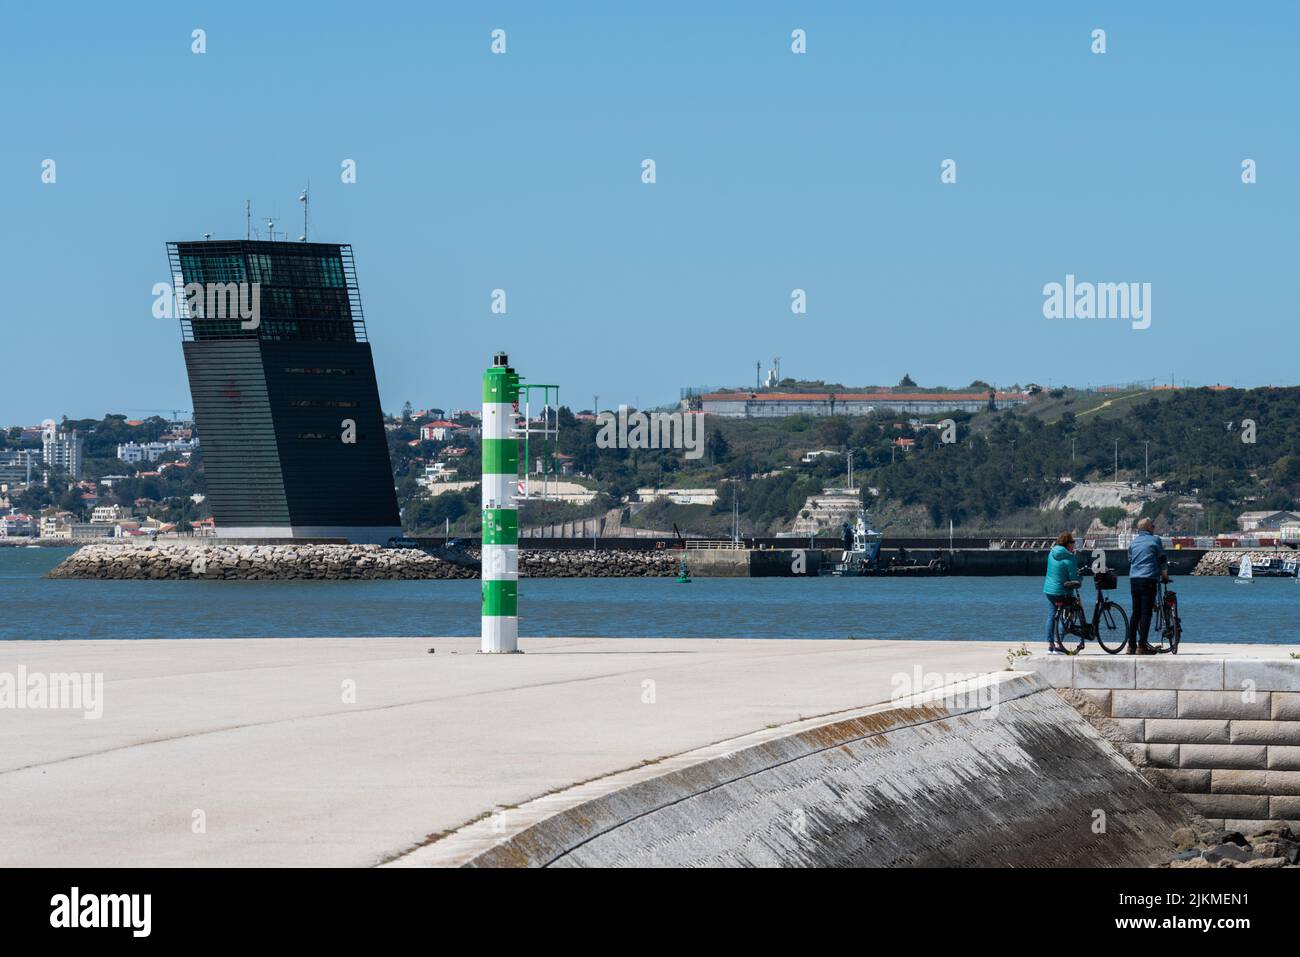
(500, 558)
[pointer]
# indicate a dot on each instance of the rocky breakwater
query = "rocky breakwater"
(1272, 845)
(598, 563)
(1225, 561)
(304, 562)
(255, 563)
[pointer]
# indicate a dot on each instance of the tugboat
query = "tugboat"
(862, 557)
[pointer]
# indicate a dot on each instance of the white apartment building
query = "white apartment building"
(437, 472)
(109, 514)
(56, 526)
(63, 450)
(153, 451)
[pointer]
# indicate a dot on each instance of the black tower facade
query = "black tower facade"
(283, 384)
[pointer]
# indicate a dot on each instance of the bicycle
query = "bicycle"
(1165, 621)
(1109, 625)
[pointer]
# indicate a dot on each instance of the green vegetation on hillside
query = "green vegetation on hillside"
(998, 474)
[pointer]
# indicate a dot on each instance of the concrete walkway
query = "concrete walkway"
(353, 751)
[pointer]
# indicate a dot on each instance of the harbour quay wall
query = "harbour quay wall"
(214, 561)
(1223, 732)
(755, 562)
(993, 771)
(1018, 561)
(960, 556)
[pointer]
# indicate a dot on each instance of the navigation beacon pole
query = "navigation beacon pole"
(500, 553)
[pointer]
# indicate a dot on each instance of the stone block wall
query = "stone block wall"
(1223, 732)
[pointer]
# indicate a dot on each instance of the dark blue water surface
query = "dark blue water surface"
(1011, 609)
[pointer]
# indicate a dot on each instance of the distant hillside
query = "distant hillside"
(1193, 440)
(998, 475)
(1003, 468)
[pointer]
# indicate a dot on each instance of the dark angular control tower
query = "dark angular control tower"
(285, 402)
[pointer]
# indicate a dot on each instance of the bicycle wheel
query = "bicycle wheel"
(1159, 628)
(1069, 626)
(1173, 630)
(1112, 628)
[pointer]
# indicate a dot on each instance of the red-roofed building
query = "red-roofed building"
(751, 405)
(440, 430)
(17, 525)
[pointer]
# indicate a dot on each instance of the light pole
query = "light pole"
(737, 508)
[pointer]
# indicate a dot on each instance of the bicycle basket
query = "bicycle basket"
(1105, 580)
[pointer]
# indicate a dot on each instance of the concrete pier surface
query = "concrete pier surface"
(353, 752)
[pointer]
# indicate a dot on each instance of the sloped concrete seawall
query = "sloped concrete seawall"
(997, 771)
(304, 562)
(1224, 732)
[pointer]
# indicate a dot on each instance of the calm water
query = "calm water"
(1214, 609)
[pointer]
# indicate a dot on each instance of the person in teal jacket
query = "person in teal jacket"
(1062, 567)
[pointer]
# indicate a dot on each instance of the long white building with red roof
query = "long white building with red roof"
(756, 405)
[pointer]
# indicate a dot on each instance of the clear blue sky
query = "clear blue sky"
(775, 171)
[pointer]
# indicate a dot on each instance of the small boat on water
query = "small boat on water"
(1245, 571)
(861, 558)
(1272, 566)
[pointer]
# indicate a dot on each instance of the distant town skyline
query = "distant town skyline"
(897, 199)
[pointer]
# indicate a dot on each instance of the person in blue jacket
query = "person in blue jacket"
(1146, 565)
(1062, 567)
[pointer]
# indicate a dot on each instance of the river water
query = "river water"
(1010, 609)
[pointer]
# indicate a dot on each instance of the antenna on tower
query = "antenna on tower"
(270, 229)
(305, 199)
(774, 373)
(248, 219)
